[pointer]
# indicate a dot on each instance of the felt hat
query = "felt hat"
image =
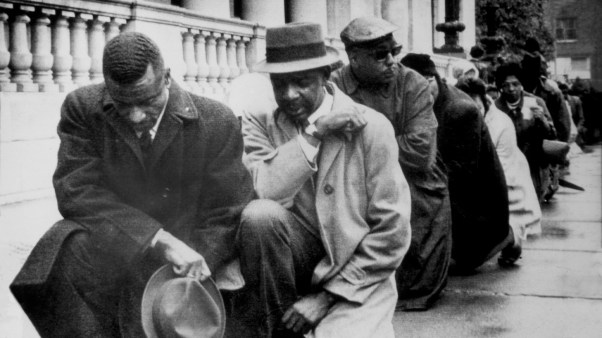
(175, 306)
(366, 30)
(296, 47)
(421, 63)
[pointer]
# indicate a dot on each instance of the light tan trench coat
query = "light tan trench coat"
(363, 206)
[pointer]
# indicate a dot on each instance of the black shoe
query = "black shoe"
(510, 255)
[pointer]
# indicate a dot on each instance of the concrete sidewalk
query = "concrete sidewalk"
(555, 291)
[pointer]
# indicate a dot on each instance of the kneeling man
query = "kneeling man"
(319, 250)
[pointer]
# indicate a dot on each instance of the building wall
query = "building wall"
(28, 140)
(588, 42)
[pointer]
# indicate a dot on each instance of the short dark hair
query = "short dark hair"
(474, 87)
(422, 63)
(126, 57)
(508, 69)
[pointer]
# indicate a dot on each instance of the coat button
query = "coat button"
(328, 189)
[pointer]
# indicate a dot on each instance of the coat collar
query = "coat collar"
(350, 83)
(179, 107)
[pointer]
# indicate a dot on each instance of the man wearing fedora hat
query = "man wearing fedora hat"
(148, 174)
(319, 251)
(375, 77)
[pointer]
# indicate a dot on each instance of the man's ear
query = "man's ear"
(167, 77)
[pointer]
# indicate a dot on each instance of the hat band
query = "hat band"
(295, 53)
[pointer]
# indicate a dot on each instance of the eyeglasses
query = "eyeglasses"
(382, 54)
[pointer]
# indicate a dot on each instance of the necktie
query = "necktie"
(146, 142)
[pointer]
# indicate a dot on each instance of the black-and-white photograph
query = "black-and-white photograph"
(300, 168)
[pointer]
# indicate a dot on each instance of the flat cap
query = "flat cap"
(366, 29)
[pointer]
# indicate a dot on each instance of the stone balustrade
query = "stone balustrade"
(56, 46)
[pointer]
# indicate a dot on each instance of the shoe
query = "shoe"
(510, 255)
(508, 241)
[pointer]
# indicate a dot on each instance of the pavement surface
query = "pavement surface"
(555, 290)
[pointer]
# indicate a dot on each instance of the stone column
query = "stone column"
(61, 50)
(189, 59)
(214, 8)
(5, 85)
(211, 52)
(111, 29)
(222, 61)
(79, 50)
(310, 11)
(241, 57)
(397, 12)
(232, 64)
(20, 57)
(267, 13)
(201, 61)
(42, 57)
(96, 45)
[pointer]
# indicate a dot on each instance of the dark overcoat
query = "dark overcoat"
(194, 185)
(477, 186)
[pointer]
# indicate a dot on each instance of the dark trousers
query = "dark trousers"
(91, 294)
(278, 256)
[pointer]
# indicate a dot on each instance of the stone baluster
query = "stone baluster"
(111, 29)
(61, 50)
(96, 45)
(21, 58)
(231, 51)
(190, 61)
(222, 61)
(214, 71)
(42, 57)
(241, 57)
(79, 50)
(201, 61)
(5, 85)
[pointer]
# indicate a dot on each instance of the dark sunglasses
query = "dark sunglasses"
(381, 54)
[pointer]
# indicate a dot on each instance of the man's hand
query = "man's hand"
(349, 120)
(308, 311)
(538, 113)
(185, 261)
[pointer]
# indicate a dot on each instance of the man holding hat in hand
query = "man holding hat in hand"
(148, 174)
(375, 78)
(319, 251)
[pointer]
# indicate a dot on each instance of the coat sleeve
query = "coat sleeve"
(388, 215)
(546, 128)
(278, 172)
(227, 189)
(82, 192)
(417, 138)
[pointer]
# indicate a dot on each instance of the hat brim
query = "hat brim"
(331, 57)
(160, 277)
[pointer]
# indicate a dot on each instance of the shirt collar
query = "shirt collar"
(323, 109)
(154, 129)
